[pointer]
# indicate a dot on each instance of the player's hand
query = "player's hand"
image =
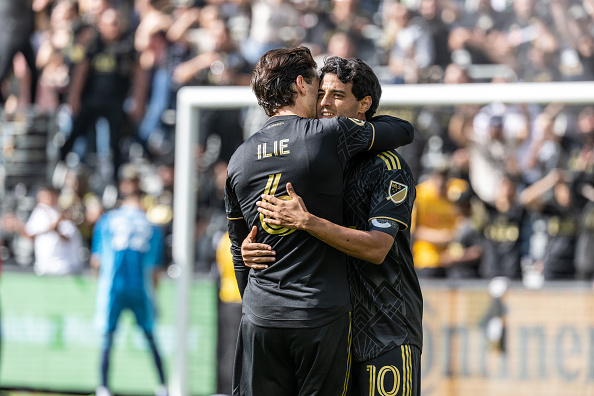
(256, 255)
(290, 213)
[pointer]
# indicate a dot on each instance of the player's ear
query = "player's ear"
(301, 85)
(365, 104)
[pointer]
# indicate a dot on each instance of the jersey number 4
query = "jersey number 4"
(270, 189)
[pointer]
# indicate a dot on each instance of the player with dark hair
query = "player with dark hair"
(128, 251)
(295, 332)
(379, 193)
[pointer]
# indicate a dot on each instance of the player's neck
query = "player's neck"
(131, 201)
(285, 111)
(299, 108)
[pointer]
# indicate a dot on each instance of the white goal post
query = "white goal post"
(191, 99)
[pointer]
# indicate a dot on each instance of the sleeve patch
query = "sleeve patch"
(388, 226)
(397, 192)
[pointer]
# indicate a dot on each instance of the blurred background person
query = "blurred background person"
(496, 146)
(582, 165)
(506, 232)
(229, 315)
(412, 49)
(463, 255)
(100, 85)
(551, 201)
(273, 25)
(435, 218)
(56, 239)
(16, 29)
(128, 253)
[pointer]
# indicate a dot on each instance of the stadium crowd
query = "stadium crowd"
(503, 190)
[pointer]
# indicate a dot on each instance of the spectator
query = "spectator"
(80, 203)
(551, 199)
(463, 255)
(229, 315)
(51, 60)
(526, 31)
(412, 51)
(435, 218)
(432, 13)
(273, 24)
(222, 64)
(128, 252)
(505, 237)
(496, 146)
(211, 219)
(57, 241)
(101, 83)
(473, 33)
(552, 141)
(460, 127)
(574, 25)
(16, 28)
(163, 43)
(581, 163)
(351, 18)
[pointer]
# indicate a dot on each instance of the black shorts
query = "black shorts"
(293, 361)
(395, 373)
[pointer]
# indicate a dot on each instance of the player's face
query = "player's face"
(312, 97)
(336, 98)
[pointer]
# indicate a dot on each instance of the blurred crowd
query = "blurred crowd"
(503, 190)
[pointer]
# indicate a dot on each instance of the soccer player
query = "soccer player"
(294, 337)
(379, 193)
(128, 250)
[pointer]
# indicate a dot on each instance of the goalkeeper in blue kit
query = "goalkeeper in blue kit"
(128, 250)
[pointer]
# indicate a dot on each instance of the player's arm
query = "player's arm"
(380, 134)
(96, 245)
(79, 75)
(238, 231)
(390, 133)
(256, 255)
(371, 246)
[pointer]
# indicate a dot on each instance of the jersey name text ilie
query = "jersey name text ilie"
(279, 147)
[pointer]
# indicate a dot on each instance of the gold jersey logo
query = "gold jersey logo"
(397, 192)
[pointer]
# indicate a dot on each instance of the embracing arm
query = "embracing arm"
(391, 132)
(371, 246)
(238, 231)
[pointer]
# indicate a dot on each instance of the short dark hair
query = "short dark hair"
(46, 186)
(274, 75)
(355, 71)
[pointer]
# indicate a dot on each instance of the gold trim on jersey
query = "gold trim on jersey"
(406, 370)
(235, 218)
(372, 137)
(348, 368)
(392, 161)
(404, 379)
(357, 121)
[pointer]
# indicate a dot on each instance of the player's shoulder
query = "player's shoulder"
(391, 160)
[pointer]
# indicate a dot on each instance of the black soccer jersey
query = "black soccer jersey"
(307, 285)
(503, 242)
(387, 300)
